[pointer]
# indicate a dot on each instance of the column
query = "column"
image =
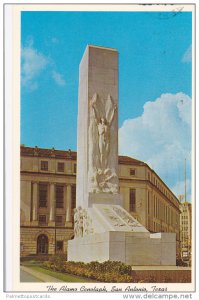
(35, 202)
(68, 203)
(52, 204)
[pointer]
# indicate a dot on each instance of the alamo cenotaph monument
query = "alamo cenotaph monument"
(103, 229)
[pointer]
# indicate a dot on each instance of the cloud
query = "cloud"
(161, 136)
(187, 57)
(32, 64)
(58, 78)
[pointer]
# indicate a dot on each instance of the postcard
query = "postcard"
(100, 127)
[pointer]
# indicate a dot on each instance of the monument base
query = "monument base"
(113, 234)
(128, 247)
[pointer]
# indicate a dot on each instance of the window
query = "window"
(73, 196)
(42, 219)
(132, 204)
(44, 165)
(132, 172)
(59, 246)
(58, 220)
(60, 167)
(59, 196)
(43, 192)
(75, 168)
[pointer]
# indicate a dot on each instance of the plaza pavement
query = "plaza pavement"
(36, 276)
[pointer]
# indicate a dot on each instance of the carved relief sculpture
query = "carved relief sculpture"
(82, 222)
(124, 215)
(103, 123)
(103, 177)
(87, 223)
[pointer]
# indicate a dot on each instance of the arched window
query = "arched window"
(42, 244)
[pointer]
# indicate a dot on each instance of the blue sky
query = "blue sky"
(154, 76)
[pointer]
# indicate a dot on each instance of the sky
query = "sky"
(155, 84)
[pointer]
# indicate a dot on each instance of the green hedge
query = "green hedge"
(108, 271)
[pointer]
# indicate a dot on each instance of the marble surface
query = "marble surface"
(97, 159)
(115, 235)
(117, 246)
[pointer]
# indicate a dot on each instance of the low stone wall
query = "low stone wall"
(160, 276)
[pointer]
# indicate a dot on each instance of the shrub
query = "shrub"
(56, 262)
(48, 264)
(110, 266)
(108, 271)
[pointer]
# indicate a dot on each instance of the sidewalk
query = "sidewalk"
(41, 276)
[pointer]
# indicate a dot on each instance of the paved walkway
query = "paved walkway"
(26, 277)
(36, 275)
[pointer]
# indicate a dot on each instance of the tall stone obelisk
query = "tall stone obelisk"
(97, 154)
(103, 229)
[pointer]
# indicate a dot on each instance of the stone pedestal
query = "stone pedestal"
(128, 247)
(113, 234)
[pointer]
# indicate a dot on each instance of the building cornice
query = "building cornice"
(48, 174)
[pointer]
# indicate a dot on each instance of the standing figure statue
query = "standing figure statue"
(103, 126)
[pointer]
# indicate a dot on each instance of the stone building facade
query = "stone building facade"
(48, 197)
(186, 231)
